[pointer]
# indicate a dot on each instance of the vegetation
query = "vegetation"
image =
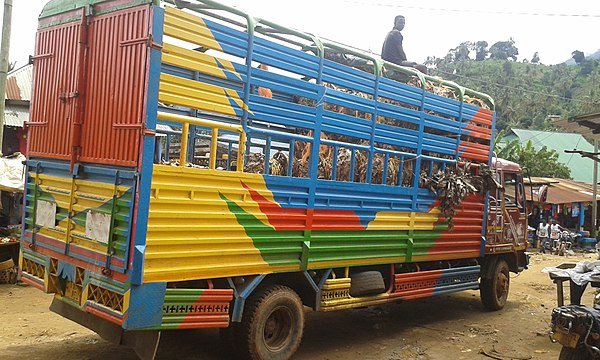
(542, 162)
(527, 93)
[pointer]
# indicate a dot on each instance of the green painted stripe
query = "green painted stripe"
(302, 248)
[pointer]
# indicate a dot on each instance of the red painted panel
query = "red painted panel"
(465, 238)
(301, 219)
(108, 96)
(115, 86)
(56, 57)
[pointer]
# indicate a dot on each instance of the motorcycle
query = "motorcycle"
(577, 329)
(564, 243)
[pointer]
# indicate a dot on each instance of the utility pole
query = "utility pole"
(595, 192)
(4, 47)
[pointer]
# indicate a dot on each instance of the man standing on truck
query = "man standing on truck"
(393, 51)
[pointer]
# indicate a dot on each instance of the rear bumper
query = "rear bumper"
(76, 286)
(143, 342)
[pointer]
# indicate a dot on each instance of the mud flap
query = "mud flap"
(143, 342)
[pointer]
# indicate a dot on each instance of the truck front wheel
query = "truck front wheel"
(579, 353)
(272, 324)
(494, 290)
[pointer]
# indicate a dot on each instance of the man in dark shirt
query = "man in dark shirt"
(392, 50)
(392, 46)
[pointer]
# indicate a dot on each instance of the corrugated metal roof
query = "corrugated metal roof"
(587, 125)
(15, 115)
(561, 191)
(18, 83)
(581, 168)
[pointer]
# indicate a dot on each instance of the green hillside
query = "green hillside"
(526, 93)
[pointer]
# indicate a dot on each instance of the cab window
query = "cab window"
(513, 191)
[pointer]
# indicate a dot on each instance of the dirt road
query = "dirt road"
(447, 327)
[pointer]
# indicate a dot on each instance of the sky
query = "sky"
(552, 28)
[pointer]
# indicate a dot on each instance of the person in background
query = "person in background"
(393, 51)
(542, 235)
(262, 91)
(554, 231)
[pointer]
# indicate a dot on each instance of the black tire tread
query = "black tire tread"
(486, 288)
(366, 283)
(243, 339)
(579, 353)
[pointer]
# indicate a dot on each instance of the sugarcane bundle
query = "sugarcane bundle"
(476, 101)
(408, 172)
(255, 163)
(451, 186)
(437, 88)
(278, 164)
(344, 160)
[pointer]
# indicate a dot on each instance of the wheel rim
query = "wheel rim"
(277, 328)
(502, 284)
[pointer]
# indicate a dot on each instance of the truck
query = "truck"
(192, 166)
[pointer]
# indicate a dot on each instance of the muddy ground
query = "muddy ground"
(447, 327)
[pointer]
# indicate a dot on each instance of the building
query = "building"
(581, 168)
(16, 111)
(568, 201)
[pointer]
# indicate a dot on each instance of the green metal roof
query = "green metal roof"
(581, 168)
(55, 7)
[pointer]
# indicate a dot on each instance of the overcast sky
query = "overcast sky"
(553, 28)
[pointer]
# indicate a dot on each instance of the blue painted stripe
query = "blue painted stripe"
(232, 41)
(145, 305)
(340, 195)
(348, 77)
(143, 204)
(342, 124)
(281, 112)
(286, 58)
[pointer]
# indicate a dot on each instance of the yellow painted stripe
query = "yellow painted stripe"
(228, 65)
(188, 27)
(353, 303)
(206, 239)
(86, 195)
(355, 262)
(179, 91)
(198, 61)
(405, 220)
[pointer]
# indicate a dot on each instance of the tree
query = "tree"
(481, 50)
(540, 163)
(536, 58)
(504, 50)
(578, 56)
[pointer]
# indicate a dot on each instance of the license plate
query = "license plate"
(566, 339)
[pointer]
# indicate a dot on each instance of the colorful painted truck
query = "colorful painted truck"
(191, 166)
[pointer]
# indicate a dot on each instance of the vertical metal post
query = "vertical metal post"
(4, 47)
(184, 144)
(595, 192)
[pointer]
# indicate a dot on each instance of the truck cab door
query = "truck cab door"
(507, 218)
(515, 219)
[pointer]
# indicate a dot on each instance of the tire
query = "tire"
(494, 291)
(272, 324)
(367, 283)
(579, 353)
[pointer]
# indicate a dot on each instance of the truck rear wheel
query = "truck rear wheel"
(272, 324)
(494, 290)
